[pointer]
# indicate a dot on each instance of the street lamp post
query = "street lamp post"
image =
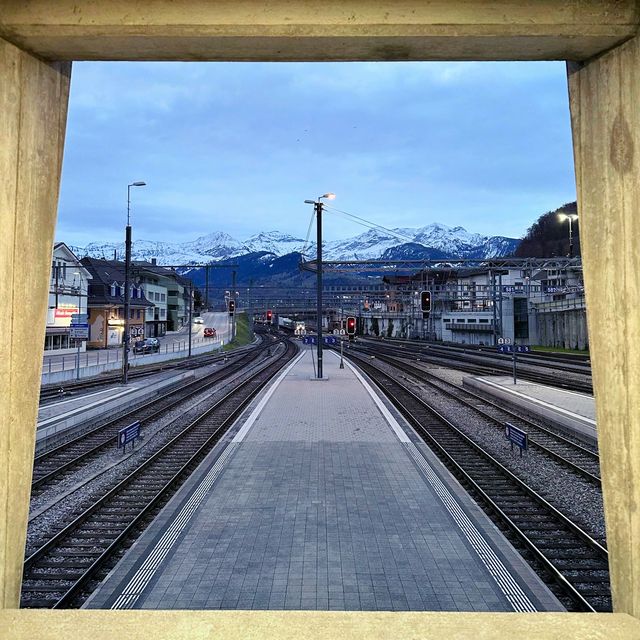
(317, 205)
(571, 217)
(127, 293)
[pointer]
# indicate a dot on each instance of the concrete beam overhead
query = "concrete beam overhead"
(318, 29)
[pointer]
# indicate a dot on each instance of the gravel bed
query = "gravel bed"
(116, 466)
(573, 496)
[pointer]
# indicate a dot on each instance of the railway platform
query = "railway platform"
(572, 411)
(68, 413)
(322, 497)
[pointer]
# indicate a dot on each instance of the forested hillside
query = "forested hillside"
(549, 237)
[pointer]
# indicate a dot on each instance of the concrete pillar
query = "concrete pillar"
(33, 114)
(604, 98)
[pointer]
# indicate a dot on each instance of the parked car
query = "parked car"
(198, 320)
(150, 345)
(209, 332)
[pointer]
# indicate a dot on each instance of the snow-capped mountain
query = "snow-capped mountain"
(274, 242)
(435, 240)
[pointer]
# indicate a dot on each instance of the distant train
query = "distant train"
(298, 327)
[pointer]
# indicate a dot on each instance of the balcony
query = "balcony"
(471, 326)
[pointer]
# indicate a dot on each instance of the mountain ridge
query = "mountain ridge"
(434, 239)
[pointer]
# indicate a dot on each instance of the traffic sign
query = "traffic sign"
(310, 340)
(79, 332)
(330, 340)
(504, 340)
(79, 318)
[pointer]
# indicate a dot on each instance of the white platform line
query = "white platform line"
(391, 421)
(239, 437)
(542, 402)
(80, 409)
(505, 581)
(139, 581)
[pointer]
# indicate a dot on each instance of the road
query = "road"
(174, 342)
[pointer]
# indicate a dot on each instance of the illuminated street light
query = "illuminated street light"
(571, 217)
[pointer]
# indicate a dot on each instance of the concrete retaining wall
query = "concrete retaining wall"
(564, 329)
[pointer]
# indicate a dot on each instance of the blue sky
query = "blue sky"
(238, 147)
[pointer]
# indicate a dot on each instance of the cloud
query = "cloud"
(237, 147)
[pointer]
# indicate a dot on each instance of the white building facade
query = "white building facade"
(67, 295)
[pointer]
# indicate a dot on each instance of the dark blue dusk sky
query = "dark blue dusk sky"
(238, 147)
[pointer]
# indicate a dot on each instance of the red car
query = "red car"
(209, 332)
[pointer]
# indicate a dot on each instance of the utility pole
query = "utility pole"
(318, 207)
(206, 288)
(495, 311)
(127, 267)
(127, 293)
(233, 297)
(190, 313)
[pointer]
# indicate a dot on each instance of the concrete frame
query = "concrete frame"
(39, 38)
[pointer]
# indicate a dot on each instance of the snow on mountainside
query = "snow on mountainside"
(274, 242)
(434, 239)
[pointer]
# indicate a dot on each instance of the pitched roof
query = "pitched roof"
(105, 273)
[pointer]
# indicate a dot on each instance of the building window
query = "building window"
(157, 295)
(471, 320)
(163, 313)
(446, 320)
(485, 320)
(113, 290)
(163, 297)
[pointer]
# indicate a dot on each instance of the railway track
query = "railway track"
(573, 455)
(58, 463)
(470, 364)
(575, 361)
(569, 560)
(57, 574)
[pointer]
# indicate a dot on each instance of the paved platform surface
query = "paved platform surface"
(569, 409)
(320, 499)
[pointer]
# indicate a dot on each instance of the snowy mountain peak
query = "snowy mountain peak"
(432, 239)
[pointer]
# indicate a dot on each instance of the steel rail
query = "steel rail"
(466, 477)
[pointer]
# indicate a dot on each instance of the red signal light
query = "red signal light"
(269, 315)
(351, 326)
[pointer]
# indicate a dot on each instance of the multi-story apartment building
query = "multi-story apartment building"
(67, 295)
(169, 293)
(106, 304)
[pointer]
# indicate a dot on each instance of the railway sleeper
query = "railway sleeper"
(67, 564)
(58, 575)
(61, 587)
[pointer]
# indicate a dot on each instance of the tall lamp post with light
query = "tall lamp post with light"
(317, 205)
(571, 217)
(127, 293)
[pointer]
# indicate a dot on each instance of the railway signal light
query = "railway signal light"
(425, 301)
(232, 307)
(269, 315)
(351, 326)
